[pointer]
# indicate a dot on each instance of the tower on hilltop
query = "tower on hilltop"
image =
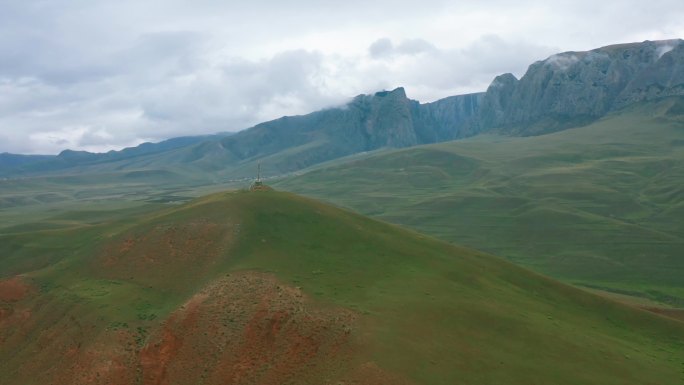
(258, 185)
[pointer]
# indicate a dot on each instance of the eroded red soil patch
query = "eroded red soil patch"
(14, 289)
(42, 341)
(109, 359)
(249, 329)
(246, 328)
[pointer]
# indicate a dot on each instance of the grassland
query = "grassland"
(600, 206)
(426, 312)
(102, 263)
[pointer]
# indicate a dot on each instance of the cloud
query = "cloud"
(385, 48)
(666, 47)
(429, 72)
(562, 61)
(234, 94)
(381, 48)
(98, 75)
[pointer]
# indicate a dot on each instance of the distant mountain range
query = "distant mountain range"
(563, 91)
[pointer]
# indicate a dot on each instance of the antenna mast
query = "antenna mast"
(258, 184)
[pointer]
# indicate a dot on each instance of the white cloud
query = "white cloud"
(99, 74)
(665, 48)
(562, 61)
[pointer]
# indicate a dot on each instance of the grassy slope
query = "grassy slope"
(430, 311)
(601, 205)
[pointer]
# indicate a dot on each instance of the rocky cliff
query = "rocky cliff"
(447, 119)
(367, 122)
(565, 90)
(571, 88)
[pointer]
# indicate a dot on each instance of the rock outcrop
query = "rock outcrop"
(368, 122)
(496, 100)
(663, 78)
(447, 119)
(570, 88)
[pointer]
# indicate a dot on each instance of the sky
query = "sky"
(100, 75)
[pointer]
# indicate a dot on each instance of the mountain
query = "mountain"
(574, 88)
(387, 119)
(271, 288)
(566, 90)
(8, 160)
(146, 148)
(12, 164)
(447, 119)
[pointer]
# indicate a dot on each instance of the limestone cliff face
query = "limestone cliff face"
(447, 119)
(386, 119)
(574, 87)
(663, 78)
(496, 100)
(368, 122)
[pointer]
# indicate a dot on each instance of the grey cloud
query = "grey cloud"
(385, 48)
(101, 74)
(95, 136)
(381, 48)
(415, 46)
(154, 56)
(494, 54)
(430, 72)
(230, 96)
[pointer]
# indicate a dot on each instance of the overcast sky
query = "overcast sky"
(100, 75)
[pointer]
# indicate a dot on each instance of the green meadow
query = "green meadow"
(600, 206)
(429, 311)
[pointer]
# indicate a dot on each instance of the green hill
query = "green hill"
(271, 288)
(600, 205)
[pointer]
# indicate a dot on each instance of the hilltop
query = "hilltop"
(269, 287)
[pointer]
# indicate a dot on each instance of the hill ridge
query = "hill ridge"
(270, 287)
